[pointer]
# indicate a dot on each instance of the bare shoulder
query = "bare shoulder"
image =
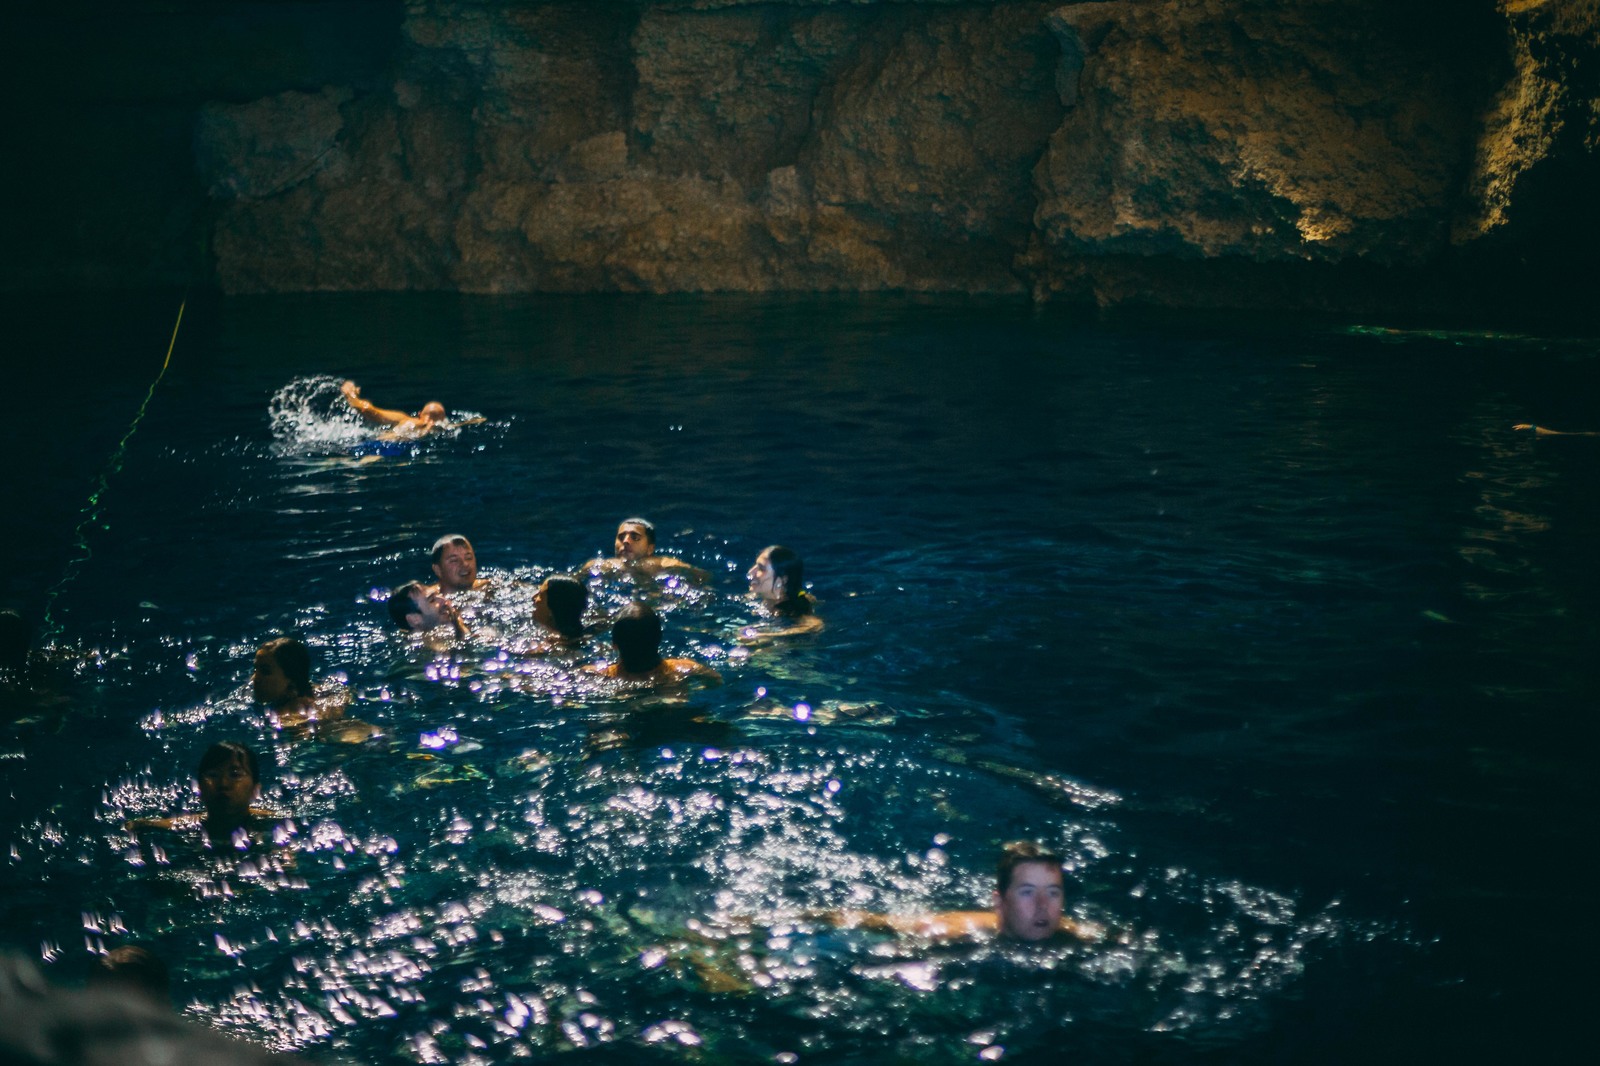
(684, 669)
(681, 566)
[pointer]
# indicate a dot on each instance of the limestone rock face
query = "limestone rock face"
(1537, 160)
(606, 147)
(1320, 131)
(1349, 153)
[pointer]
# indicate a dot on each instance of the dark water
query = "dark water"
(1275, 629)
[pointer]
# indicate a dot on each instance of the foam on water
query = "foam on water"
(310, 412)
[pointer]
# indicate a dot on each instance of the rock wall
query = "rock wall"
(1346, 153)
(657, 149)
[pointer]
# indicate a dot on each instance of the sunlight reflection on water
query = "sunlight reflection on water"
(1030, 593)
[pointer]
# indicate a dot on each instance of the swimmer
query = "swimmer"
(282, 681)
(415, 607)
(636, 634)
(1546, 431)
(635, 548)
(558, 605)
(455, 565)
(1027, 906)
(230, 779)
(425, 421)
(133, 968)
(777, 581)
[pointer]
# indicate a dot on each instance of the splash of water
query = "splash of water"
(310, 411)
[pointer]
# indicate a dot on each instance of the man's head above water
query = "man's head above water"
(413, 606)
(1028, 891)
(636, 539)
(454, 563)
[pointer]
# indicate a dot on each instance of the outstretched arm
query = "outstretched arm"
(371, 412)
(1546, 431)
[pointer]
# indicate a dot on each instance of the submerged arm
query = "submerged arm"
(757, 635)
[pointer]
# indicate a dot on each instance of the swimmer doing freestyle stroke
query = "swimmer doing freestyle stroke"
(432, 416)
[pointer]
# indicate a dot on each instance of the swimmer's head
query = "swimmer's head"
(778, 577)
(282, 673)
(454, 563)
(229, 779)
(432, 412)
(132, 968)
(559, 604)
(636, 633)
(636, 539)
(412, 606)
(1028, 890)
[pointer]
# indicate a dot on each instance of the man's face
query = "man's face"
(228, 788)
(1030, 907)
(429, 608)
(432, 412)
(457, 568)
(269, 684)
(633, 541)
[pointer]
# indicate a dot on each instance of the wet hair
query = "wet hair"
(787, 565)
(429, 408)
(446, 541)
(294, 660)
(648, 527)
(14, 640)
(224, 752)
(566, 597)
(135, 968)
(637, 636)
(402, 601)
(1015, 853)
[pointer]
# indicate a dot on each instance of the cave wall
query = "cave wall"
(1341, 153)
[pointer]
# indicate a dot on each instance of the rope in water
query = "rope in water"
(91, 508)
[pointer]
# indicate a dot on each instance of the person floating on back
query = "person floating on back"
(635, 549)
(777, 581)
(636, 634)
(230, 780)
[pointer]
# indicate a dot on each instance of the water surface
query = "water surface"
(1273, 628)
